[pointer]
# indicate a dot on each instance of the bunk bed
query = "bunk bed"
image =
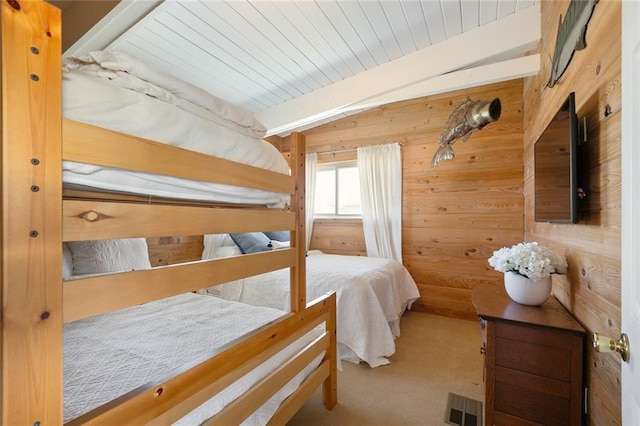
(44, 316)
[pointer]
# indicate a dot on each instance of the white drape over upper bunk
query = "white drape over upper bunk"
(380, 168)
(117, 92)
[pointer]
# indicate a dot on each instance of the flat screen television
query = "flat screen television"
(556, 167)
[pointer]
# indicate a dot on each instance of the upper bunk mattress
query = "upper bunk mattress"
(114, 91)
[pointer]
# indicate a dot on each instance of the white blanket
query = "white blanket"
(116, 96)
(127, 72)
(108, 355)
(372, 293)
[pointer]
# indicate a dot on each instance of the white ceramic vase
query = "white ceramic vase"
(525, 290)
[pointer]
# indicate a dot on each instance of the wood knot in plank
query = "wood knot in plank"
(91, 216)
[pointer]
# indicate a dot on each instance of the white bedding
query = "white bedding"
(117, 92)
(108, 355)
(372, 293)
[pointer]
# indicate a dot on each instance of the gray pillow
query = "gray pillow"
(251, 242)
(281, 236)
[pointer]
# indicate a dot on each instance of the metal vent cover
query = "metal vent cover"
(463, 411)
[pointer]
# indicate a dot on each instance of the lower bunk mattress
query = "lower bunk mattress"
(109, 355)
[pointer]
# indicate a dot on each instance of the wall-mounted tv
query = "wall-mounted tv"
(556, 167)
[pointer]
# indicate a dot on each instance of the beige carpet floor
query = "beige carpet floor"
(434, 356)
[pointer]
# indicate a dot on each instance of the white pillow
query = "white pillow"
(275, 245)
(220, 252)
(214, 241)
(226, 251)
(106, 256)
(67, 262)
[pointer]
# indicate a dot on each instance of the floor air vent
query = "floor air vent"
(463, 411)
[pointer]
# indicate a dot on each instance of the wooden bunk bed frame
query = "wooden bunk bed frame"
(37, 218)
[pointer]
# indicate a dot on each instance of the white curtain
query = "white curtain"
(380, 168)
(311, 167)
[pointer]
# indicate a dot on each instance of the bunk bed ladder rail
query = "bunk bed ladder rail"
(31, 343)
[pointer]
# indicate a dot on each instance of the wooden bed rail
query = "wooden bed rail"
(31, 344)
(299, 235)
(96, 220)
(85, 143)
(98, 295)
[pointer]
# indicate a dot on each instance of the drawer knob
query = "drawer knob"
(606, 344)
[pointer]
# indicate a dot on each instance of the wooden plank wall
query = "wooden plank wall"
(591, 289)
(454, 215)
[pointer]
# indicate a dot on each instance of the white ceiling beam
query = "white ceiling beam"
(472, 77)
(515, 34)
(122, 17)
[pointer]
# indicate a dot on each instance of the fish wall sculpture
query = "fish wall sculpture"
(467, 117)
(571, 36)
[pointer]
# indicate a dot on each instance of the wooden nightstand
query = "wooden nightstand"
(533, 357)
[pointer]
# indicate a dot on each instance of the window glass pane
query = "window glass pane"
(349, 191)
(325, 200)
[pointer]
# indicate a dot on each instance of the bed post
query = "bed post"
(299, 273)
(31, 248)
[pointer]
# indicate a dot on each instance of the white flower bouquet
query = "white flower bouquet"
(528, 259)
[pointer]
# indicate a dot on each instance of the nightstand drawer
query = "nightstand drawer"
(524, 404)
(532, 358)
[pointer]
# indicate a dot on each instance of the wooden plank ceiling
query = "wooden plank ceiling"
(296, 64)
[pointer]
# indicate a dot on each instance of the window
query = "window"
(338, 190)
